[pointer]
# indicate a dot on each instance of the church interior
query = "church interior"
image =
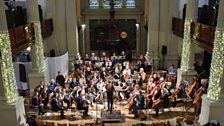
(112, 62)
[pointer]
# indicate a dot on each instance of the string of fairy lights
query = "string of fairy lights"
(186, 45)
(7, 70)
(217, 66)
(39, 47)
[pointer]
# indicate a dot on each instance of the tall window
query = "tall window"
(130, 3)
(94, 4)
(106, 4)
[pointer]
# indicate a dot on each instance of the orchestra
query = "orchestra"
(95, 79)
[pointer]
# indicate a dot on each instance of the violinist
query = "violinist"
(126, 90)
(140, 103)
(67, 98)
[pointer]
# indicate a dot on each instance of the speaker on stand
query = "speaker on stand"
(164, 52)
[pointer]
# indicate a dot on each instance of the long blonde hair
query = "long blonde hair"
(109, 86)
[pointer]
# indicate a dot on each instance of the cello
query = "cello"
(192, 89)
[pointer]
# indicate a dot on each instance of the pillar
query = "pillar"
(37, 53)
(72, 31)
(187, 58)
(11, 105)
(213, 102)
(153, 32)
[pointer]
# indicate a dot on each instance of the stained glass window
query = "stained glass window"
(94, 4)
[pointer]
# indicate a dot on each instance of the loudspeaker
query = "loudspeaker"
(164, 50)
(52, 53)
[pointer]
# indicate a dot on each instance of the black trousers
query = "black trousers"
(110, 103)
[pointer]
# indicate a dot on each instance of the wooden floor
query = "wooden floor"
(75, 117)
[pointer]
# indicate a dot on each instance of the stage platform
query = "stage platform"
(115, 116)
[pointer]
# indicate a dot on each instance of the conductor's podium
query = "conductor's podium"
(115, 116)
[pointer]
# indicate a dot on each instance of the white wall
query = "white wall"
(202, 2)
(43, 6)
(181, 6)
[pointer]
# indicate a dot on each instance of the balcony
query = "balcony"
(206, 36)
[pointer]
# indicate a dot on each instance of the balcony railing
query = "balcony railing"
(206, 33)
(22, 36)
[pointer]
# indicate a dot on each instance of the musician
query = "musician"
(140, 103)
(78, 60)
(162, 100)
(40, 89)
(55, 102)
(126, 90)
(86, 57)
(114, 59)
(164, 95)
(140, 62)
(93, 58)
(116, 73)
(52, 85)
(73, 83)
(154, 95)
(104, 57)
(110, 95)
(36, 103)
(123, 55)
(67, 98)
(82, 104)
(60, 79)
(82, 79)
(142, 75)
(91, 94)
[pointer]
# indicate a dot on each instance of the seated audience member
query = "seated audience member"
(172, 70)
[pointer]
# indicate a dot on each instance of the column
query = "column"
(72, 31)
(153, 32)
(213, 102)
(37, 53)
(11, 106)
(187, 58)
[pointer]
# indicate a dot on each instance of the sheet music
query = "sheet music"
(118, 88)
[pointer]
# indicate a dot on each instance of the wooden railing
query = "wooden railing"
(178, 26)
(206, 33)
(22, 36)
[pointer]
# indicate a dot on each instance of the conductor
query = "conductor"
(110, 96)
